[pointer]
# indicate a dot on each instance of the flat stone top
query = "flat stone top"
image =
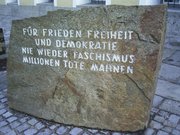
(94, 67)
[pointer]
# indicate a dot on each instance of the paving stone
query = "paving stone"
(100, 134)
(167, 74)
(5, 90)
(169, 123)
(115, 133)
(1, 118)
(167, 129)
(11, 133)
(159, 118)
(149, 131)
(25, 119)
(176, 132)
(155, 125)
(32, 121)
(45, 132)
(39, 125)
(171, 106)
(167, 53)
(164, 114)
(3, 100)
(157, 100)
(75, 131)
(154, 110)
(23, 127)
(2, 96)
(168, 90)
(162, 133)
(2, 111)
(105, 132)
(15, 124)
(174, 118)
(11, 119)
(1, 106)
(3, 85)
(7, 114)
(86, 133)
(5, 129)
(30, 131)
(3, 123)
(52, 127)
(173, 43)
(178, 127)
(61, 130)
(174, 59)
(3, 75)
(93, 130)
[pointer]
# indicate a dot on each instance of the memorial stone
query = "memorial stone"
(95, 67)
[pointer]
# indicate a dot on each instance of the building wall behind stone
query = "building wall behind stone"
(26, 2)
(65, 3)
(125, 2)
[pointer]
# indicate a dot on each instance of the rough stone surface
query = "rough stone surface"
(106, 100)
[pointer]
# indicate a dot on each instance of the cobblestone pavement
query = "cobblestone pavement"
(165, 113)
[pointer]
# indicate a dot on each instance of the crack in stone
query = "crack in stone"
(106, 12)
(140, 37)
(71, 86)
(78, 106)
(153, 40)
(54, 92)
(148, 78)
(140, 89)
